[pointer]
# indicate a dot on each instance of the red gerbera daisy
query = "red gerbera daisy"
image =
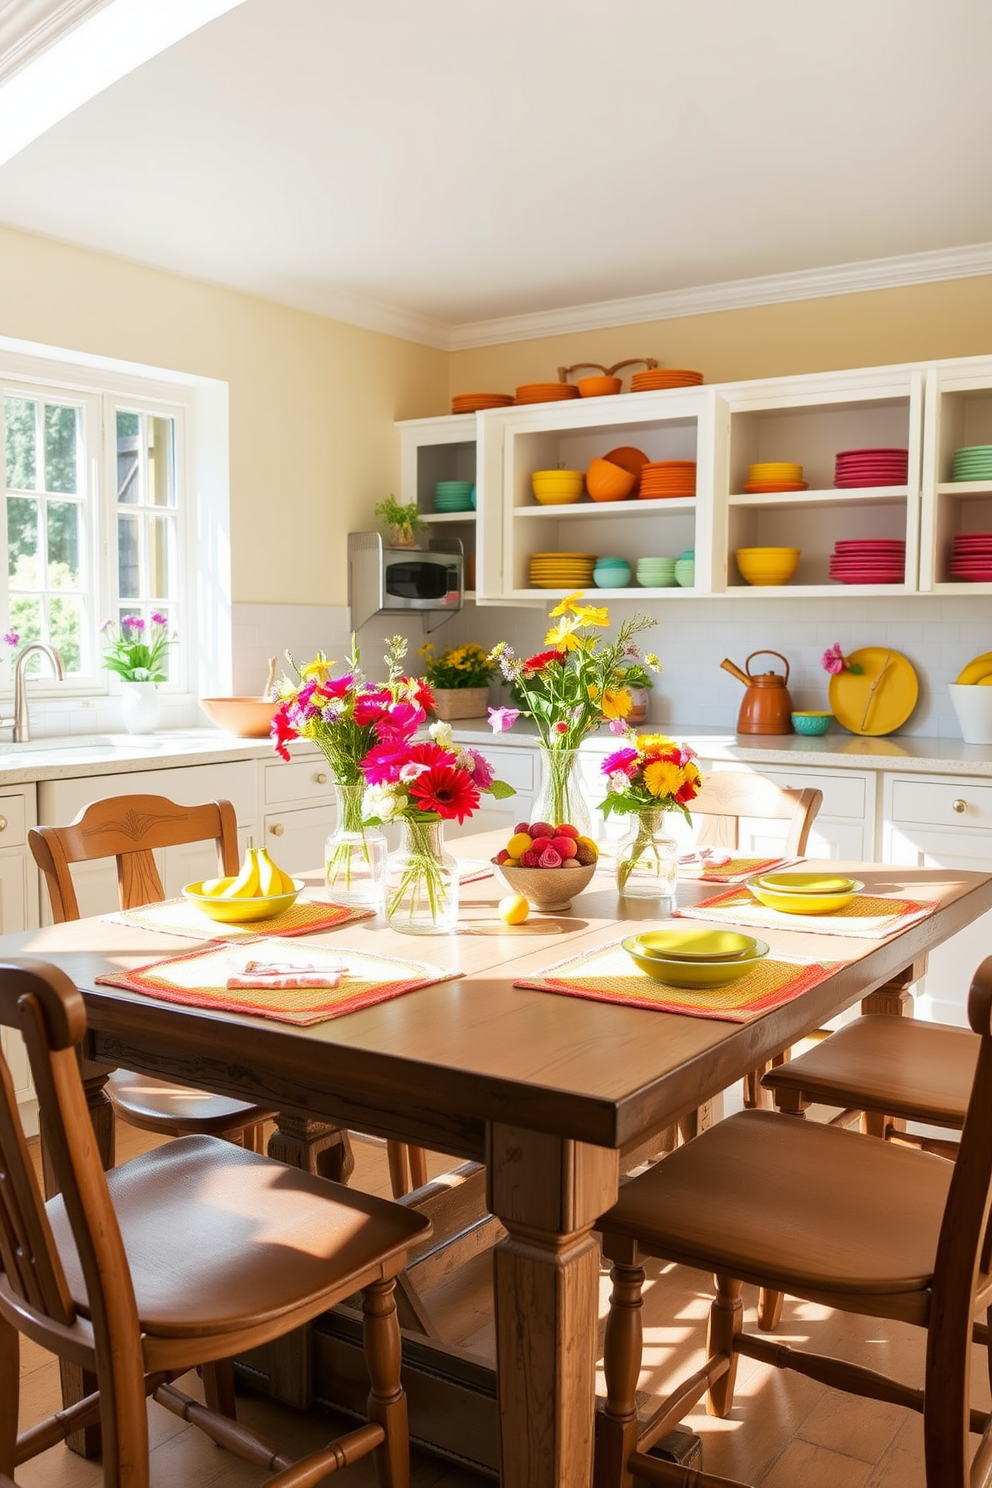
(449, 792)
(542, 660)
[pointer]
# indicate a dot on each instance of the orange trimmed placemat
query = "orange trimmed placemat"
(609, 975)
(199, 979)
(735, 871)
(870, 916)
(179, 917)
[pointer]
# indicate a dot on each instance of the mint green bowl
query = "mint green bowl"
(812, 723)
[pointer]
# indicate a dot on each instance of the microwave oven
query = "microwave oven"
(382, 579)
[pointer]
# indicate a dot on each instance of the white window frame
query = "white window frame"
(199, 406)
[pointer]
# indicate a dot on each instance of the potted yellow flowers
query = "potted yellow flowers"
(459, 679)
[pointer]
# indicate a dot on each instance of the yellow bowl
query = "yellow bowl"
(240, 911)
(803, 904)
(767, 565)
(695, 944)
(698, 974)
(806, 883)
(557, 487)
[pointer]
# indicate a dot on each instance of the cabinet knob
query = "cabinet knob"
(320, 778)
(277, 829)
(3, 824)
(959, 805)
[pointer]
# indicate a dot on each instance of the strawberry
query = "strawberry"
(530, 859)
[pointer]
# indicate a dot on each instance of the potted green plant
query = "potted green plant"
(459, 679)
(404, 522)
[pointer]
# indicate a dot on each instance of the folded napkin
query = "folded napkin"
(868, 916)
(349, 982)
(609, 975)
(714, 865)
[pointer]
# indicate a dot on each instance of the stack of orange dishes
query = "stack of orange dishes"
(775, 475)
(663, 377)
(473, 402)
(546, 392)
(668, 478)
(630, 459)
(562, 570)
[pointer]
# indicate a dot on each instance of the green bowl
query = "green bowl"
(812, 723)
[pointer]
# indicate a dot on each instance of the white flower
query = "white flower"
(619, 781)
(442, 734)
(464, 760)
(410, 771)
(382, 801)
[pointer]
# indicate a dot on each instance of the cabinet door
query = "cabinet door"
(296, 838)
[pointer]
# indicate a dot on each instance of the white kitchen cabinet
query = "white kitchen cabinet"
(59, 801)
(943, 822)
(299, 809)
(18, 911)
(958, 413)
(518, 767)
(845, 825)
(433, 450)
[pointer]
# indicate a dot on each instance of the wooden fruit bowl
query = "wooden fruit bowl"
(547, 889)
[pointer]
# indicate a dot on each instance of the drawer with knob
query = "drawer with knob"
(300, 780)
(939, 803)
(13, 821)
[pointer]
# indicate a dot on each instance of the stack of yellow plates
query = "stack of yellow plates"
(562, 570)
(774, 475)
(804, 893)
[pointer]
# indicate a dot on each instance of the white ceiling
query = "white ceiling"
(423, 165)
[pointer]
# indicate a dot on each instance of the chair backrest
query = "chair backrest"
(128, 828)
(727, 795)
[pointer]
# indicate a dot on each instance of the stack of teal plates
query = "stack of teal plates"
(656, 573)
(685, 568)
(973, 463)
(453, 496)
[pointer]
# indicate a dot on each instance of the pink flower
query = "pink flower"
(621, 759)
(482, 771)
(383, 763)
(133, 622)
(501, 719)
(13, 639)
(833, 660)
(158, 619)
(617, 726)
(561, 727)
(370, 706)
(282, 731)
(401, 721)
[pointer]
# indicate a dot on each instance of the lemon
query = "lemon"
(514, 909)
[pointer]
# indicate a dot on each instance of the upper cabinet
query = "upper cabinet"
(714, 435)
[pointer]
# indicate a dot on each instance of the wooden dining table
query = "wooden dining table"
(547, 1091)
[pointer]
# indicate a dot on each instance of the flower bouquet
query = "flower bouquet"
(569, 690)
(647, 777)
(137, 652)
(459, 679)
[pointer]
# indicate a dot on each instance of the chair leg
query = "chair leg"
(418, 1167)
(616, 1423)
(725, 1321)
(398, 1156)
(387, 1400)
(769, 1309)
(218, 1388)
(10, 1380)
(254, 1137)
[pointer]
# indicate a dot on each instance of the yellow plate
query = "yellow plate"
(696, 974)
(976, 671)
(803, 904)
(695, 944)
(240, 911)
(806, 883)
(880, 698)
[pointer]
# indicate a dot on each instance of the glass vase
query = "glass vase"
(559, 799)
(421, 881)
(354, 855)
(647, 858)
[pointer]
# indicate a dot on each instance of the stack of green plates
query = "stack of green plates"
(973, 463)
(453, 496)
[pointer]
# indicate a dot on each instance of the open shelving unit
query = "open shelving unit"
(959, 413)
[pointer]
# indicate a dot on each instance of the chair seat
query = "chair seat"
(899, 1066)
(156, 1105)
(204, 1226)
(755, 1197)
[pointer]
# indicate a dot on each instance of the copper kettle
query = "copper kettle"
(767, 706)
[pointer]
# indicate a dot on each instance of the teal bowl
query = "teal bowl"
(812, 723)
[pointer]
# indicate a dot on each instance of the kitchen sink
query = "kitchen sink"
(60, 742)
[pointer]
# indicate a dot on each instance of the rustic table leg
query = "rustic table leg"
(315, 1146)
(548, 1192)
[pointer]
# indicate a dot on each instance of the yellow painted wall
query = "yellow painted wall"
(312, 401)
(949, 319)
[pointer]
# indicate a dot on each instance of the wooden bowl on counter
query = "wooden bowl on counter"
(547, 889)
(245, 717)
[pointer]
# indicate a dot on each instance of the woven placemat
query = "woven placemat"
(734, 871)
(609, 975)
(199, 979)
(868, 916)
(179, 917)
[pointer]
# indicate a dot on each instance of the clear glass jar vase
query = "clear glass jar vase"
(421, 881)
(559, 797)
(354, 855)
(647, 858)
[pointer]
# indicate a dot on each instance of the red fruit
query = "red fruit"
(521, 827)
(541, 829)
(530, 859)
(549, 858)
(566, 830)
(502, 856)
(584, 855)
(565, 847)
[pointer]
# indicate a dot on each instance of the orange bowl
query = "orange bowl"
(598, 387)
(608, 482)
(248, 718)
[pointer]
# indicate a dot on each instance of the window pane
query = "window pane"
(128, 569)
(22, 540)
(161, 462)
(63, 545)
(22, 465)
(65, 625)
(159, 556)
(128, 456)
(60, 448)
(25, 619)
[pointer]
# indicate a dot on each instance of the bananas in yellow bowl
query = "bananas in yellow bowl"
(259, 891)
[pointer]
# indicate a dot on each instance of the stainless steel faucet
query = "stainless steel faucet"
(22, 731)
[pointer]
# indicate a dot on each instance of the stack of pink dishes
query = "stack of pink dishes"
(971, 560)
(869, 560)
(871, 467)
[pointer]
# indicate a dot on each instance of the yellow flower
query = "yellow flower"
(567, 604)
(317, 670)
(591, 615)
(662, 778)
(617, 703)
(647, 742)
(562, 636)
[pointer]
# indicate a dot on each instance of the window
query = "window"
(94, 505)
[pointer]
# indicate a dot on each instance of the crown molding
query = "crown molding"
(737, 294)
(372, 315)
(29, 27)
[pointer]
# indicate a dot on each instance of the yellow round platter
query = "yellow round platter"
(977, 670)
(695, 944)
(880, 698)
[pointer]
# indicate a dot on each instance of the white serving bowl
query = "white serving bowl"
(973, 706)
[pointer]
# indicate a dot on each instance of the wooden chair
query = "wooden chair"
(829, 1215)
(127, 828)
(180, 1258)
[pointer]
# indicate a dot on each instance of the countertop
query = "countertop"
(54, 759)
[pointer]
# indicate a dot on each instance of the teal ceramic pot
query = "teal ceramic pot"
(812, 723)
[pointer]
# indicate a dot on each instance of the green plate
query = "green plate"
(696, 974)
(694, 944)
(806, 883)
